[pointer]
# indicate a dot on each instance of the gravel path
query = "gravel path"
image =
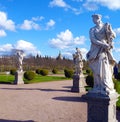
(41, 102)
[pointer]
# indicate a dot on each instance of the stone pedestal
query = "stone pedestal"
(18, 78)
(101, 108)
(78, 83)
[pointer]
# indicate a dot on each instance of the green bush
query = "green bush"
(117, 86)
(38, 71)
(29, 75)
(118, 104)
(68, 73)
(89, 71)
(118, 76)
(54, 71)
(44, 72)
(90, 80)
(12, 71)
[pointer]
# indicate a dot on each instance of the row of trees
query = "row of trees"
(32, 63)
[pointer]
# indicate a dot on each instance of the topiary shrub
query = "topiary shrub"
(38, 71)
(89, 71)
(90, 80)
(54, 71)
(68, 73)
(118, 76)
(117, 85)
(118, 104)
(29, 75)
(44, 72)
(12, 71)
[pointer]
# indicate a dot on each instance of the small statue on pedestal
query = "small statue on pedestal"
(77, 58)
(20, 55)
(19, 72)
(78, 86)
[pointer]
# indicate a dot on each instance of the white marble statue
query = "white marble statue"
(20, 56)
(100, 56)
(77, 58)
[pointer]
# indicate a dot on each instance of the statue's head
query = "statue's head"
(96, 16)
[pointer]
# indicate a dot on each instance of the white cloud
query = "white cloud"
(110, 4)
(117, 50)
(38, 18)
(107, 17)
(65, 36)
(2, 33)
(90, 6)
(26, 46)
(32, 24)
(69, 52)
(6, 48)
(63, 4)
(58, 3)
(77, 0)
(79, 40)
(28, 25)
(50, 24)
(84, 51)
(65, 40)
(6, 23)
(117, 31)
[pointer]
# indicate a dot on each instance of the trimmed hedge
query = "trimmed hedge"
(54, 71)
(90, 80)
(44, 72)
(12, 71)
(38, 71)
(68, 73)
(29, 75)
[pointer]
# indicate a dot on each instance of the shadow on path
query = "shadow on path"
(70, 99)
(67, 87)
(3, 82)
(46, 90)
(53, 90)
(5, 120)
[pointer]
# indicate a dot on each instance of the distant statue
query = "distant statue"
(100, 56)
(77, 58)
(20, 55)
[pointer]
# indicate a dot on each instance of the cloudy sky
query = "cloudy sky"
(46, 27)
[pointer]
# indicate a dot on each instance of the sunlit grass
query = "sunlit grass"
(9, 79)
(39, 78)
(6, 79)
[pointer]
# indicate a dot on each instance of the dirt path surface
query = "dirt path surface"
(41, 102)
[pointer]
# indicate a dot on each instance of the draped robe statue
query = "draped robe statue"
(100, 56)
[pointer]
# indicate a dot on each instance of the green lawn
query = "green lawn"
(9, 79)
(6, 79)
(39, 78)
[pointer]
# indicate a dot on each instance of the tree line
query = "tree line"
(34, 62)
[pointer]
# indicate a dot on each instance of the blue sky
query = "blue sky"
(49, 26)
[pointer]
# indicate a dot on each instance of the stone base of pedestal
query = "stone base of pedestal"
(78, 83)
(101, 108)
(18, 78)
